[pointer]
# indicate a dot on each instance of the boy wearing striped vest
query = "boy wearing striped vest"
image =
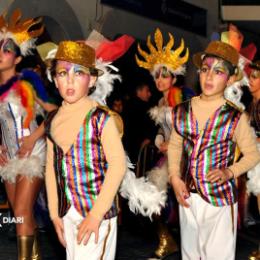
(85, 159)
(207, 131)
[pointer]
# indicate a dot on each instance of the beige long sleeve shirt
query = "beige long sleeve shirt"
(243, 136)
(64, 130)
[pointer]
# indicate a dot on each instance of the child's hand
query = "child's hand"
(164, 147)
(58, 224)
(27, 145)
(89, 225)
(180, 190)
(219, 176)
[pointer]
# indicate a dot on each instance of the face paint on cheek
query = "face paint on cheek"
(224, 76)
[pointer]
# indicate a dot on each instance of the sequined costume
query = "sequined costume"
(162, 115)
(17, 119)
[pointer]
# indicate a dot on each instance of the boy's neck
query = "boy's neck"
(75, 104)
(211, 98)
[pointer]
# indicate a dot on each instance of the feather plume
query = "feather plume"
(104, 83)
(143, 196)
(253, 183)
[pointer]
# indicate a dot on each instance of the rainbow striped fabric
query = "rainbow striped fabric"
(212, 148)
(81, 171)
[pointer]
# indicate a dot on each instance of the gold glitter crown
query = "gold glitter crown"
(160, 55)
(78, 53)
(19, 31)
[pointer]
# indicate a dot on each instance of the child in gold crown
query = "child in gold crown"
(85, 159)
(165, 65)
(207, 131)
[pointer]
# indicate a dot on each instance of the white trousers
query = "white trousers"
(207, 231)
(105, 248)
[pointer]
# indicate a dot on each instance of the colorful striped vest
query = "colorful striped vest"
(212, 148)
(80, 172)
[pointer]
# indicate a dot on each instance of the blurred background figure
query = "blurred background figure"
(139, 128)
(115, 102)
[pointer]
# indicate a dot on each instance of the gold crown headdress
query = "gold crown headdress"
(163, 56)
(19, 31)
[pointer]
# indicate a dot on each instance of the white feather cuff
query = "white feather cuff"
(253, 184)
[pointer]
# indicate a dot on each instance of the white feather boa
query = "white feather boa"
(181, 70)
(143, 196)
(253, 184)
(161, 115)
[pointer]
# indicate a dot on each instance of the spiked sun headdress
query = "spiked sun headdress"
(163, 56)
(19, 31)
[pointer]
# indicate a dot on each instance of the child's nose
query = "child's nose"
(70, 78)
(209, 74)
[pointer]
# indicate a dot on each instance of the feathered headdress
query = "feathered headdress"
(163, 56)
(107, 52)
(19, 31)
(235, 38)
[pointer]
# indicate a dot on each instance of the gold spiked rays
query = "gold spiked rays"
(162, 55)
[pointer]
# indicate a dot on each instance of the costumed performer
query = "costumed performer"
(165, 65)
(22, 153)
(207, 129)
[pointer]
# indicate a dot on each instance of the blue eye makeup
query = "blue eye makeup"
(63, 70)
(8, 46)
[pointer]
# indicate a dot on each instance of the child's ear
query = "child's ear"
(92, 81)
(231, 80)
(55, 81)
(18, 60)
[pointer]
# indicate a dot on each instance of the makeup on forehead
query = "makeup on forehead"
(68, 66)
(8, 44)
(214, 63)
